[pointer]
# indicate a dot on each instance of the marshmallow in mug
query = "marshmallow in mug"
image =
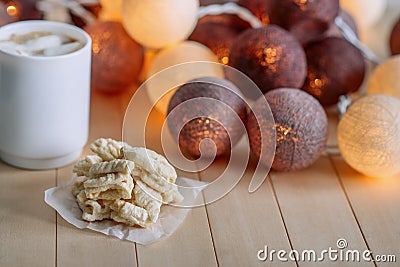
(40, 44)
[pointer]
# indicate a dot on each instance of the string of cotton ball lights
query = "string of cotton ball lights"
(230, 8)
(368, 132)
(389, 68)
(271, 63)
(350, 35)
(277, 52)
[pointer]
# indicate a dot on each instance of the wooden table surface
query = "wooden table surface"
(309, 209)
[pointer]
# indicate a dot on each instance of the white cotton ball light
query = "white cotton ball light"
(385, 79)
(110, 10)
(365, 12)
(369, 136)
(159, 23)
(184, 52)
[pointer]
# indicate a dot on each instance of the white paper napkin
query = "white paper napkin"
(61, 199)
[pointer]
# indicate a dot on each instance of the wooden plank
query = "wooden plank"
(316, 211)
(375, 203)
(27, 224)
(76, 247)
(191, 244)
(244, 223)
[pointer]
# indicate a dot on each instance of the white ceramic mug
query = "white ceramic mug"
(44, 101)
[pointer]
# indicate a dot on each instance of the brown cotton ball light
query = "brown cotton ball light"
(261, 131)
(30, 10)
(207, 117)
(312, 30)
(116, 58)
(262, 9)
(216, 36)
(308, 30)
(335, 68)
(395, 39)
(301, 129)
(286, 13)
(230, 20)
(270, 56)
(93, 8)
(214, 2)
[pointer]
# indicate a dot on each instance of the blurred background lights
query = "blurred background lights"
(10, 11)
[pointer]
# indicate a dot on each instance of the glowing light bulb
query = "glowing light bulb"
(369, 134)
(188, 51)
(12, 10)
(159, 23)
(385, 78)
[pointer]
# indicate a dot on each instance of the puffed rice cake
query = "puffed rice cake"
(123, 183)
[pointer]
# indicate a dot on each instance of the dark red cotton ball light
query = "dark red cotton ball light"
(216, 36)
(116, 58)
(286, 13)
(230, 20)
(29, 10)
(308, 30)
(205, 119)
(335, 68)
(270, 56)
(301, 128)
(311, 30)
(93, 8)
(262, 9)
(395, 39)
(213, 2)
